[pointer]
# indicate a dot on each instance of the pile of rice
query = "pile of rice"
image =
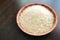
(36, 19)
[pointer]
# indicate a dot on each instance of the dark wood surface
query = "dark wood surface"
(8, 26)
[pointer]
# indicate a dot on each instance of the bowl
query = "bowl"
(39, 34)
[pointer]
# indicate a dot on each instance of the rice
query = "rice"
(36, 19)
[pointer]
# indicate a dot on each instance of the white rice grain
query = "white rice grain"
(36, 19)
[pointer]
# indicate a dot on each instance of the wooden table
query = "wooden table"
(8, 26)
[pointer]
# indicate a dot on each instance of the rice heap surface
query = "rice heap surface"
(36, 19)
